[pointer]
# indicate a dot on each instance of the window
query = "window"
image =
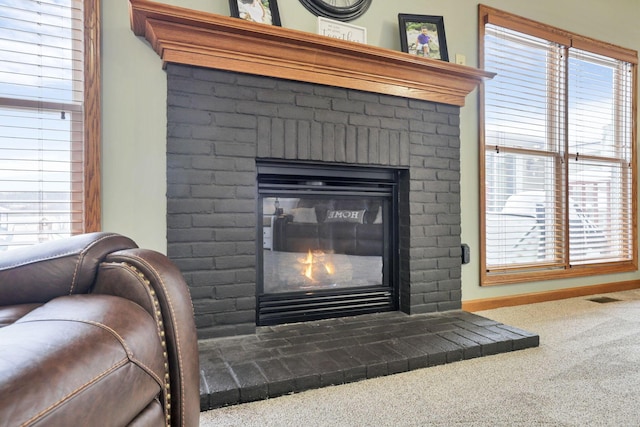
(49, 120)
(557, 144)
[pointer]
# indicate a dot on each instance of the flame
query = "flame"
(308, 259)
(307, 262)
(315, 260)
(308, 272)
(329, 268)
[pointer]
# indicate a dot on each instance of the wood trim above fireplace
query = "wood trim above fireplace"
(191, 37)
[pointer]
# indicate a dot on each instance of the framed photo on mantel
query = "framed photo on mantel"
(262, 11)
(423, 35)
(340, 30)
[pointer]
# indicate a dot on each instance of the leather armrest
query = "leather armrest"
(154, 282)
(39, 273)
(80, 360)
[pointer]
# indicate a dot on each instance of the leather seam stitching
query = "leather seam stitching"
(75, 392)
(120, 339)
(82, 254)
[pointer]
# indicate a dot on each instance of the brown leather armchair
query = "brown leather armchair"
(96, 332)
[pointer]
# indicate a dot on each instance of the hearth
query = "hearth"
(329, 246)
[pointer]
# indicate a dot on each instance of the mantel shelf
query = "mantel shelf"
(186, 36)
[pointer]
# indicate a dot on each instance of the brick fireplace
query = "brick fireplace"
(308, 101)
(220, 123)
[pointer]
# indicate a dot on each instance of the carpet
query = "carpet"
(585, 372)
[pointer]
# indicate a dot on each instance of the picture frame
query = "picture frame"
(411, 26)
(342, 31)
(261, 11)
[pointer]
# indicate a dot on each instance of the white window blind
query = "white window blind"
(599, 152)
(524, 112)
(558, 140)
(41, 120)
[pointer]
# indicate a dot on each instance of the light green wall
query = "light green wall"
(134, 106)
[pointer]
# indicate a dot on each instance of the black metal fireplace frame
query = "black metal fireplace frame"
(276, 178)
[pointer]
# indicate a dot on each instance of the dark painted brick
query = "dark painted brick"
(306, 377)
(251, 381)
(505, 333)
(515, 330)
(279, 379)
(376, 365)
(396, 362)
(220, 385)
(470, 349)
(347, 106)
(437, 348)
(416, 359)
(293, 86)
(311, 347)
(212, 306)
(352, 369)
(488, 346)
(441, 327)
(449, 109)
(320, 123)
(254, 81)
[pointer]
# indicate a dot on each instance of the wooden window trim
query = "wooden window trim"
(518, 275)
(92, 117)
(504, 19)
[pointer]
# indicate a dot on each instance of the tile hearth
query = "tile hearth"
(289, 358)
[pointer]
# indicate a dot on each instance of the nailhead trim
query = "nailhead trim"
(166, 395)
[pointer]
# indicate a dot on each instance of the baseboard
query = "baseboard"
(513, 300)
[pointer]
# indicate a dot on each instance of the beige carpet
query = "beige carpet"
(586, 372)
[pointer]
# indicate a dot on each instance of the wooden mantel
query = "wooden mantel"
(186, 36)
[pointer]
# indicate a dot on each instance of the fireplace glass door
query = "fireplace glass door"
(327, 243)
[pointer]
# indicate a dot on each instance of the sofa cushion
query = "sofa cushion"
(11, 313)
(65, 363)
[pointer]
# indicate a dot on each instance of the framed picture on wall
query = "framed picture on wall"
(262, 11)
(423, 35)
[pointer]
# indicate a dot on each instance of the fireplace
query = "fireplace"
(329, 246)
(237, 142)
(303, 99)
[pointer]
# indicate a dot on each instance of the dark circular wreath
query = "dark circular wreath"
(349, 12)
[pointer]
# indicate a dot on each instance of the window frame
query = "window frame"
(92, 117)
(522, 274)
(85, 133)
